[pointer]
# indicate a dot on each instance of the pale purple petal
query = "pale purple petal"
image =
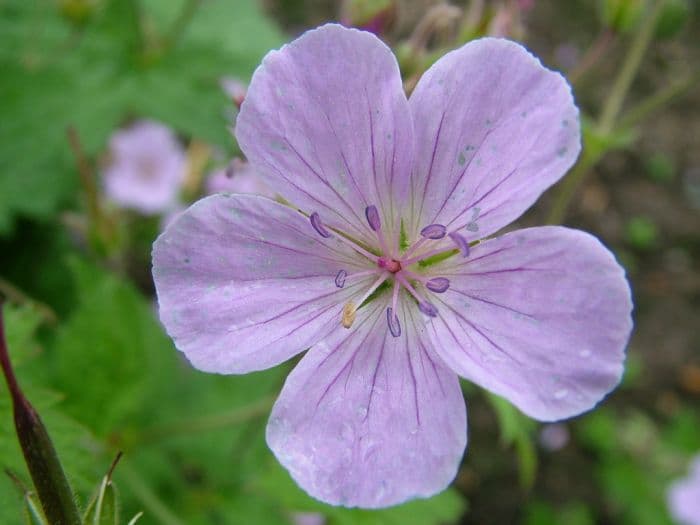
(146, 168)
(494, 129)
(540, 316)
(684, 497)
(244, 283)
(370, 420)
(238, 177)
(327, 122)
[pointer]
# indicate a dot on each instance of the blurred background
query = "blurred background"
(116, 114)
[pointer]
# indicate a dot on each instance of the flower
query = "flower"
(234, 89)
(684, 497)
(146, 169)
(554, 436)
(374, 266)
(238, 177)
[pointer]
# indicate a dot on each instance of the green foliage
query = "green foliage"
(636, 462)
(641, 233)
(660, 168)
(517, 430)
(673, 18)
(122, 63)
(622, 15)
(74, 444)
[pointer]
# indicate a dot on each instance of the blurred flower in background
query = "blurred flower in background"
(147, 166)
(684, 496)
(235, 89)
(554, 436)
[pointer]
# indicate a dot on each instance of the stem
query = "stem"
(607, 121)
(181, 22)
(624, 79)
(39, 453)
(569, 185)
(87, 176)
(658, 99)
(18, 296)
(593, 55)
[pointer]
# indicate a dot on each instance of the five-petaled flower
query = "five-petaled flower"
(146, 169)
(375, 267)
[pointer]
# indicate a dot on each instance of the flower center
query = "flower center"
(392, 266)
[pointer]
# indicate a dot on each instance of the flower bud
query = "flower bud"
(673, 17)
(40, 455)
(622, 16)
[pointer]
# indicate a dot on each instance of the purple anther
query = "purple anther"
(393, 322)
(373, 217)
(340, 278)
(434, 231)
(461, 243)
(427, 308)
(318, 225)
(438, 284)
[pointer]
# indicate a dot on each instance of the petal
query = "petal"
(684, 500)
(540, 316)
(327, 122)
(244, 283)
(370, 420)
(494, 129)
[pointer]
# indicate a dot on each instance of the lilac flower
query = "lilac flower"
(374, 266)
(238, 177)
(235, 89)
(684, 497)
(554, 436)
(147, 166)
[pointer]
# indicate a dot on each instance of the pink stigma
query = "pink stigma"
(390, 265)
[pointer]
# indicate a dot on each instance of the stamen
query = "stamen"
(427, 308)
(372, 288)
(423, 305)
(323, 232)
(349, 313)
(438, 284)
(340, 278)
(393, 321)
(349, 310)
(373, 217)
(315, 219)
(434, 231)
(395, 295)
(375, 223)
(461, 243)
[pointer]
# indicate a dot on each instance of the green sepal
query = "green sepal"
(32, 511)
(103, 508)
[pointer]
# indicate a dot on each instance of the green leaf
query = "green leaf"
(105, 66)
